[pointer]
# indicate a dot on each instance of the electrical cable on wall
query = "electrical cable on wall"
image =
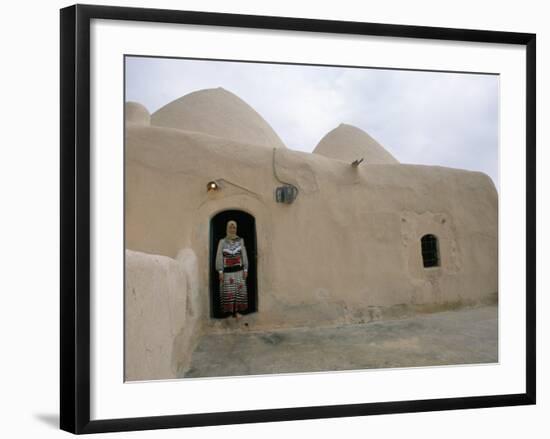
(286, 193)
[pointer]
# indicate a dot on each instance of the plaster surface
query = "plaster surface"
(218, 112)
(467, 336)
(349, 143)
(161, 311)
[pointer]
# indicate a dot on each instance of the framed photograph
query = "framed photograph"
(276, 218)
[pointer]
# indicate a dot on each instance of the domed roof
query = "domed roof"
(137, 113)
(349, 143)
(220, 113)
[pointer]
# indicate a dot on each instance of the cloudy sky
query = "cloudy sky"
(447, 119)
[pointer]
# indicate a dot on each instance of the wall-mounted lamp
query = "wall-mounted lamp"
(286, 194)
(212, 186)
(356, 163)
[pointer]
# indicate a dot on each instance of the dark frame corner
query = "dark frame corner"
(75, 217)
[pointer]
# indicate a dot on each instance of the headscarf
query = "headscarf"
(228, 235)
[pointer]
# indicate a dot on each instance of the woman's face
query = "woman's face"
(232, 228)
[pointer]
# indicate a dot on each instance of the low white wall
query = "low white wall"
(161, 314)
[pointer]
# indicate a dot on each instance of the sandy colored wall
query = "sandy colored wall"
(162, 314)
(347, 250)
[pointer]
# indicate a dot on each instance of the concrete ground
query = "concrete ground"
(452, 337)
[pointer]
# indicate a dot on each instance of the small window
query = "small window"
(430, 251)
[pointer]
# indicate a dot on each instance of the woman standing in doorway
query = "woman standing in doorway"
(232, 267)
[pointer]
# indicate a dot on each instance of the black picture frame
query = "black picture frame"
(75, 217)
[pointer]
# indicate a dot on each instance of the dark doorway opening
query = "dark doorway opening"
(246, 229)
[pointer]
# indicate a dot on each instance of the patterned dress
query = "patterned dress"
(232, 261)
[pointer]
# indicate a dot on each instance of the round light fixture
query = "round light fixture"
(212, 186)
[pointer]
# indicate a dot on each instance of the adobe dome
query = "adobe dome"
(220, 113)
(349, 143)
(137, 113)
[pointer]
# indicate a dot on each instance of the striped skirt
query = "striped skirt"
(233, 292)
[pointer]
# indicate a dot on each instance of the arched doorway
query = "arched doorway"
(246, 229)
